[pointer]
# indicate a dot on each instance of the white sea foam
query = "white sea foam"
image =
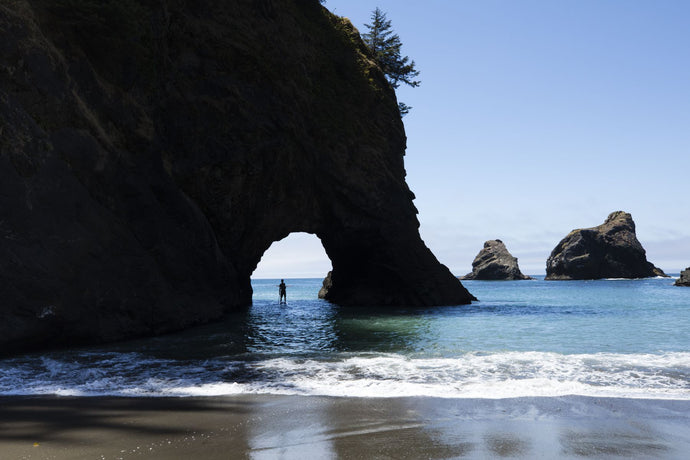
(498, 375)
(472, 375)
(635, 279)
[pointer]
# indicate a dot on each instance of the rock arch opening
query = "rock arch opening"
(299, 255)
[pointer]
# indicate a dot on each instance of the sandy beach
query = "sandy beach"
(320, 427)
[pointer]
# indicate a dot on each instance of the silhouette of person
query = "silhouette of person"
(282, 290)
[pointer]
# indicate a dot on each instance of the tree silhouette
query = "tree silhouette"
(386, 48)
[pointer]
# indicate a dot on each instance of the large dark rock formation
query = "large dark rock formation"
(684, 279)
(151, 151)
(610, 250)
(494, 262)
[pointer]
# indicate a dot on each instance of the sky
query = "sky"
(534, 118)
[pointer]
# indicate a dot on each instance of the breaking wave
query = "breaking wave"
(472, 375)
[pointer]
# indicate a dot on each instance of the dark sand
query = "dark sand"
(320, 427)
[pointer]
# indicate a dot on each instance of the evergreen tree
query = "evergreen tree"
(386, 48)
(403, 108)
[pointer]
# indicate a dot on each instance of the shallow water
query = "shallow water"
(622, 338)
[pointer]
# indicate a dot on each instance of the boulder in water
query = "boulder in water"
(610, 250)
(494, 262)
(684, 279)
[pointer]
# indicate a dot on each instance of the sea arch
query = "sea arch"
(384, 264)
(139, 204)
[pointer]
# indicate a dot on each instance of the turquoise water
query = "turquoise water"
(622, 338)
(617, 316)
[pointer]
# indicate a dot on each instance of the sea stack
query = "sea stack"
(150, 153)
(610, 250)
(494, 262)
(684, 279)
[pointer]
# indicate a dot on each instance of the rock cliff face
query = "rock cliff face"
(151, 151)
(610, 250)
(684, 279)
(494, 262)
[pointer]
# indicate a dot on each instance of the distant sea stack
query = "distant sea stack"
(610, 250)
(494, 262)
(684, 279)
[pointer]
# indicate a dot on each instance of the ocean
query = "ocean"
(603, 338)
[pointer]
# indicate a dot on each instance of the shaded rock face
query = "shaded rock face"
(610, 250)
(494, 262)
(684, 279)
(151, 151)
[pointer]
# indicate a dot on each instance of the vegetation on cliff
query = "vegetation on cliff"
(386, 48)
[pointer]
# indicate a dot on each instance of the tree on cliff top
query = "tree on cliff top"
(386, 48)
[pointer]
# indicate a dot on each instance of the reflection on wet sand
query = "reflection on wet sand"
(437, 428)
(286, 427)
(632, 443)
(506, 444)
(391, 430)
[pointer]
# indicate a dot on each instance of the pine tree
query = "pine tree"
(386, 48)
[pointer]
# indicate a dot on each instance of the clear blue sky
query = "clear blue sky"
(534, 118)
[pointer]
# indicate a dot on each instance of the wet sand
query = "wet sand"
(266, 427)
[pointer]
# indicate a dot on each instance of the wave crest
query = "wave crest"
(472, 375)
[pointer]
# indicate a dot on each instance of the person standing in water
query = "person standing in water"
(282, 291)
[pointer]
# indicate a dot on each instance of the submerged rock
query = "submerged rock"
(610, 250)
(494, 262)
(684, 279)
(151, 153)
